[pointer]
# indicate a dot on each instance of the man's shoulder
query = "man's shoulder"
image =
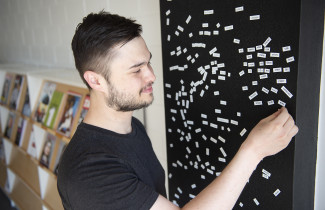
(138, 124)
(136, 121)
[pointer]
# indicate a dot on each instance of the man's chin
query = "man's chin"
(137, 107)
(147, 98)
(148, 103)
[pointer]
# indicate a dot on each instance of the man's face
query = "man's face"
(131, 77)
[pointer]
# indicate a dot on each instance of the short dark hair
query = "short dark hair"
(96, 36)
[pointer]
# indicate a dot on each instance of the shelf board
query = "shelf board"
(52, 197)
(3, 174)
(25, 167)
(24, 197)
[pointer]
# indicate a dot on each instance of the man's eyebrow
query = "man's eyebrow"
(140, 64)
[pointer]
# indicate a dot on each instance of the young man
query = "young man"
(109, 163)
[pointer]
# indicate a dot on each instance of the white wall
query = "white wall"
(320, 167)
(39, 32)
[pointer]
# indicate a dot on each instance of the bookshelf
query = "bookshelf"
(34, 137)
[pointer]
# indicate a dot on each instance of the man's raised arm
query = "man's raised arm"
(271, 135)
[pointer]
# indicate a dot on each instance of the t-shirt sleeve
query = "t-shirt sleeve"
(105, 182)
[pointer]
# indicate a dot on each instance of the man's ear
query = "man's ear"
(94, 80)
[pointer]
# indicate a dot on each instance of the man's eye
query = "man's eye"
(137, 71)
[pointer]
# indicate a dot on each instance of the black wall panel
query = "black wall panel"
(227, 64)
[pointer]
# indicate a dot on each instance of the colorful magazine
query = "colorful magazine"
(61, 149)
(53, 109)
(85, 109)
(71, 106)
(26, 107)
(21, 129)
(16, 92)
(10, 125)
(6, 89)
(47, 150)
(44, 100)
(31, 149)
(2, 151)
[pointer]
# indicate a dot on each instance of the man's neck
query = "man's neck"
(100, 115)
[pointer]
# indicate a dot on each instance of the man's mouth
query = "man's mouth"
(147, 89)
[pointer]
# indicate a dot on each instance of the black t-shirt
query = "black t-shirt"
(101, 169)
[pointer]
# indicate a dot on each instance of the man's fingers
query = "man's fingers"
(282, 117)
(273, 116)
(290, 127)
(294, 130)
(289, 123)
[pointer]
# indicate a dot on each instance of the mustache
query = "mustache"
(145, 87)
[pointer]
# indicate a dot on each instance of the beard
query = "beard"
(125, 102)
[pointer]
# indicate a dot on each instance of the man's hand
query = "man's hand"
(272, 134)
